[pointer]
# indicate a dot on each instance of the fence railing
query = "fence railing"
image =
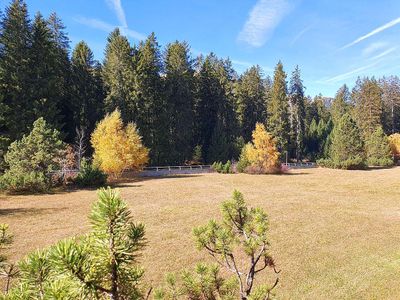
(170, 168)
(301, 165)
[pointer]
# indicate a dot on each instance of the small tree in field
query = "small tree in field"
(100, 265)
(261, 155)
(32, 158)
(242, 233)
(394, 142)
(378, 149)
(118, 147)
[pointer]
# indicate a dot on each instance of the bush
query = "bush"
(354, 163)
(378, 149)
(222, 168)
(90, 175)
(32, 159)
(36, 182)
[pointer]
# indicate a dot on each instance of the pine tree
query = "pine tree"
(250, 101)
(100, 265)
(32, 158)
(243, 231)
(297, 113)
(15, 41)
(179, 93)
(151, 105)
(117, 76)
(86, 91)
(341, 104)
(367, 97)
(391, 103)
(214, 106)
(378, 149)
(278, 114)
(347, 148)
(46, 92)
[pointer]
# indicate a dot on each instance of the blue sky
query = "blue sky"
(333, 42)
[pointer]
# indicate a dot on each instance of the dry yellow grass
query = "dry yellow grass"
(334, 234)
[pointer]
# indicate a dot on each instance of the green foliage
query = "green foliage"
(205, 282)
(100, 265)
(222, 168)
(32, 158)
(251, 107)
(378, 149)
(347, 148)
(243, 162)
(197, 157)
(90, 175)
(242, 233)
(278, 111)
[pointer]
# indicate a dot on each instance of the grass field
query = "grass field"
(334, 234)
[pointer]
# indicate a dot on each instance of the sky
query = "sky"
(333, 42)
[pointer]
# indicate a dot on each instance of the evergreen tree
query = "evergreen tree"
(250, 101)
(278, 114)
(86, 89)
(179, 94)
(367, 97)
(15, 63)
(378, 149)
(391, 103)
(341, 104)
(347, 148)
(214, 107)
(151, 105)
(297, 113)
(46, 91)
(117, 76)
(32, 158)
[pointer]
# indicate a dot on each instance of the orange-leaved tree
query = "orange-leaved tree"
(118, 147)
(261, 155)
(394, 142)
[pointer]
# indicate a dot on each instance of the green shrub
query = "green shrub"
(354, 163)
(32, 159)
(222, 168)
(378, 149)
(243, 162)
(16, 182)
(90, 175)
(227, 168)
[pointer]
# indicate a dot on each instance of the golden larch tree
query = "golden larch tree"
(394, 142)
(262, 153)
(118, 147)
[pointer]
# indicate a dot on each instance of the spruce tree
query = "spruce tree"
(278, 114)
(250, 101)
(86, 89)
(341, 104)
(297, 113)
(179, 97)
(151, 105)
(378, 149)
(367, 97)
(391, 103)
(15, 63)
(117, 76)
(347, 148)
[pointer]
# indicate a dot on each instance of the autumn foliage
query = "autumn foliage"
(394, 142)
(261, 155)
(118, 147)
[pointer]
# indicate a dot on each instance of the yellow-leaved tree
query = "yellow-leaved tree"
(118, 147)
(261, 155)
(394, 142)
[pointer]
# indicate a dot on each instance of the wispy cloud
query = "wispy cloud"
(262, 20)
(116, 6)
(373, 48)
(119, 11)
(300, 34)
(349, 74)
(373, 32)
(384, 53)
(107, 27)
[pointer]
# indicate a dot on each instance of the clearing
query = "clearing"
(334, 234)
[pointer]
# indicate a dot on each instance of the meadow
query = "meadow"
(334, 233)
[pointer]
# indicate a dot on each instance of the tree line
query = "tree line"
(182, 106)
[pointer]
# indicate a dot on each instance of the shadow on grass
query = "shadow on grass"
(29, 211)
